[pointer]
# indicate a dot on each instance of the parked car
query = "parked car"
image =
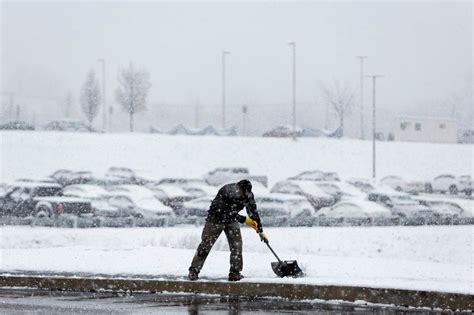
(140, 206)
(225, 175)
(465, 184)
(362, 184)
(195, 187)
(68, 125)
(97, 195)
(316, 196)
(16, 125)
(48, 180)
(126, 175)
(399, 184)
(316, 175)
(284, 209)
(443, 210)
(401, 204)
(42, 200)
(61, 176)
(443, 184)
(67, 177)
(355, 209)
(339, 190)
(170, 195)
(197, 207)
(283, 131)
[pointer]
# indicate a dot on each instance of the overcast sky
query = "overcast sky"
(424, 49)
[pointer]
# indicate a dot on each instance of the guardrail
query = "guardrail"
(451, 301)
(92, 222)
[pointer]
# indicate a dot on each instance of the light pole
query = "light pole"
(244, 116)
(104, 103)
(293, 45)
(362, 134)
(374, 79)
(224, 54)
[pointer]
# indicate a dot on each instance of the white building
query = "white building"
(424, 129)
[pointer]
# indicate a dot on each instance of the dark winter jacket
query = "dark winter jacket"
(230, 200)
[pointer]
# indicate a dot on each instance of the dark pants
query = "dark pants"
(209, 236)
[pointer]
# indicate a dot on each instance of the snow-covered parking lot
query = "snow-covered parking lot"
(438, 258)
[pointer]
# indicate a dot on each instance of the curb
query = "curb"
(399, 297)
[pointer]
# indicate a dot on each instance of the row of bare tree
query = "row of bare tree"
(131, 93)
(134, 84)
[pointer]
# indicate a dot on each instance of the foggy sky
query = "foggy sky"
(424, 49)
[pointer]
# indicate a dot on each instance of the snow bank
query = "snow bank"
(33, 154)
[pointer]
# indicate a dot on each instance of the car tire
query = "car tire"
(43, 211)
(453, 190)
(398, 188)
(428, 188)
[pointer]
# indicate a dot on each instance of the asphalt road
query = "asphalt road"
(34, 301)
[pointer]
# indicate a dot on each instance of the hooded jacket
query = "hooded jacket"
(229, 201)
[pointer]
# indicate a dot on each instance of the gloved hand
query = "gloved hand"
(263, 237)
(252, 223)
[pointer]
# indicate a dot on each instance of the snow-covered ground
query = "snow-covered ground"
(35, 154)
(438, 258)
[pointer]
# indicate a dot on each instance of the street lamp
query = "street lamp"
(224, 54)
(244, 116)
(362, 134)
(104, 104)
(293, 45)
(374, 79)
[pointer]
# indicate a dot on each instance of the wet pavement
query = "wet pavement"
(35, 301)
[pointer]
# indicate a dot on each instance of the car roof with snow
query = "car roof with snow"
(92, 190)
(356, 208)
(171, 190)
(133, 190)
(34, 184)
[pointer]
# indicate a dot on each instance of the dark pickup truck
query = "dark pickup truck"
(41, 199)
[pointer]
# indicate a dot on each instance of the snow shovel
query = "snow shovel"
(287, 268)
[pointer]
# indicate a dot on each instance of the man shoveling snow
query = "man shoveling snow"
(223, 215)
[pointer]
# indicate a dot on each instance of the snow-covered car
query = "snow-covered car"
(126, 175)
(362, 184)
(61, 176)
(196, 187)
(284, 209)
(445, 183)
(400, 204)
(77, 177)
(443, 209)
(142, 203)
(181, 182)
(465, 184)
(68, 125)
(48, 180)
(316, 175)
(355, 209)
(316, 196)
(41, 200)
(97, 195)
(197, 207)
(171, 195)
(16, 125)
(225, 175)
(399, 184)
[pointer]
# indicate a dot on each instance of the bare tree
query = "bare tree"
(133, 90)
(90, 97)
(340, 98)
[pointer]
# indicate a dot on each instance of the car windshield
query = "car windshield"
(47, 191)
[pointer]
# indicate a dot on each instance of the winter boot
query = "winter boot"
(235, 277)
(193, 275)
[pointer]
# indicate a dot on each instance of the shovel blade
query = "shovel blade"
(287, 268)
